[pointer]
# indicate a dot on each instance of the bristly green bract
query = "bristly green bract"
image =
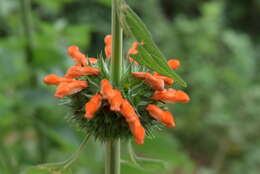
(107, 124)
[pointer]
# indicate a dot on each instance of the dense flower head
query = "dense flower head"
(134, 108)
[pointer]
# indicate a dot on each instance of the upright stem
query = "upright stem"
(26, 18)
(112, 164)
(117, 35)
(27, 24)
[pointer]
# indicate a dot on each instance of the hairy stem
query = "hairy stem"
(112, 164)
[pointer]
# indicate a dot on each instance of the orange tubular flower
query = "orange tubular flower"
(138, 131)
(53, 79)
(78, 71)
(92, 60)
(167, 80)
(65, 89)
(77, 56)
(116, 101)
(140, 75)
(155, 82)
(174, 63)
(133, 50)
(108, 46)
(133, 121)
(106, 89)
(92, 106)
(171, 96)
(161, 115)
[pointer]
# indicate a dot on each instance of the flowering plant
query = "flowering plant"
(113, 98)
(109, 113)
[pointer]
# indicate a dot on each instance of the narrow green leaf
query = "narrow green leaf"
(154, 59)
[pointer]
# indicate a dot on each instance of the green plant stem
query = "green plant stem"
(27, 24)
(117, 35)
(26, 17)
(112, 163)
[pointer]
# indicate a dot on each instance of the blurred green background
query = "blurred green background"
(217, 43)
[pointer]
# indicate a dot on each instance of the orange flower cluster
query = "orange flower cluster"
(119, 104)
(71, 84)
(158, 82)
(68, 84)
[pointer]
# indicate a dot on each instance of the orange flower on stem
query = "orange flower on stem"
(161, 115)
(65, 89)
(106, 89)
(78, 71)
(92, 60)
(133, 50)
(133, 121)
(155, 82)
(53, 79)
(108, 46)
(171, 96)
(92, 106)
(116, 101)
(167, 80)
(77, 56)
(174, 63)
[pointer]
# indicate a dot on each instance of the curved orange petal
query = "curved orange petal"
(132, 50)
(72, 50)
(106, 89)
(77, 56)
(65, 89)
(78, 71)
(128, 111)
(108, 39)
(138, 132)
(155, 82)
(92, 60)
(108, 51)
(171, 96)
(160, 115)
(116, 101)
(53, 79)
(92, 106)
(140, 75)
(108, 46)
(174, 63)
(167, 80)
